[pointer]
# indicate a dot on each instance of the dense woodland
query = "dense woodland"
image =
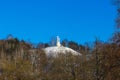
(20, 60)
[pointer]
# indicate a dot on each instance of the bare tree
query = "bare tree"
(117, 4)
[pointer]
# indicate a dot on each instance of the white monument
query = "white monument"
(58, 42)
(54, 51)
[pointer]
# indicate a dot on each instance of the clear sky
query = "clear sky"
(39, 20)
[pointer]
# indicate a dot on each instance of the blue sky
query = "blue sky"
(39, 20)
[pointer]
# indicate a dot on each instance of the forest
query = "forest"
(20, 60)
